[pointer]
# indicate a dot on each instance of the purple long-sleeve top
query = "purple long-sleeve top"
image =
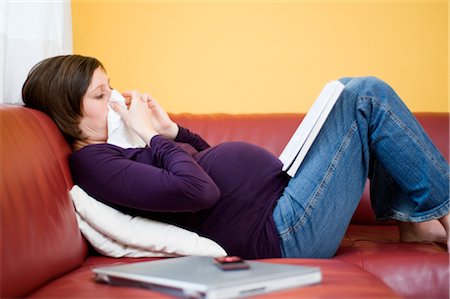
(226, 193)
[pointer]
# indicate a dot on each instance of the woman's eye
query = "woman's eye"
(100, 96)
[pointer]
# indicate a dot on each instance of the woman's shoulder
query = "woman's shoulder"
(94, 152)
(100, 148)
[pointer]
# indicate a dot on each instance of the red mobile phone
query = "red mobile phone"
(231, 263)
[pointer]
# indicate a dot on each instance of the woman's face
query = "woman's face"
(93, 123)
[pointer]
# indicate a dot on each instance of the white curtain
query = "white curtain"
(30, 32)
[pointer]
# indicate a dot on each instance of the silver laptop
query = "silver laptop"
(201, 277)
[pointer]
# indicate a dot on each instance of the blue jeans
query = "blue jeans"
(369, 133)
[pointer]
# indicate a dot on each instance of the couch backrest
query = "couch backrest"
(40, 239)
(273, 131)
(270, 131)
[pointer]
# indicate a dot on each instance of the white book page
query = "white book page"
(338, 87)
(304, 129)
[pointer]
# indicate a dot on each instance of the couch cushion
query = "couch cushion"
(39, 234)
(414, 270)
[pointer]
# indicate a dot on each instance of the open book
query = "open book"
(299, 144)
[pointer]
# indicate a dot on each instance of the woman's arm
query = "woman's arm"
(161, 178)
(186, 136)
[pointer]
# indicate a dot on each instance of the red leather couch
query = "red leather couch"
(43, 254)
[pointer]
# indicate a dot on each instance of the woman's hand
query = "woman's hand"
(146, 117)
(160, 120)
(138, 115)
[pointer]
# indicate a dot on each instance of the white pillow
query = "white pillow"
(116, 234)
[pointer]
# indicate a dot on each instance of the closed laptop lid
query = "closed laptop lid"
(198, 276)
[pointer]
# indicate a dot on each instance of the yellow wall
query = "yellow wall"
(265, 56)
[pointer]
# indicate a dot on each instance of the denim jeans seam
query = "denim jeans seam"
(318, 193)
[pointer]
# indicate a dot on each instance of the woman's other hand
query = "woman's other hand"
(160, 120)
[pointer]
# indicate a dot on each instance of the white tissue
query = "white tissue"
(118, 132)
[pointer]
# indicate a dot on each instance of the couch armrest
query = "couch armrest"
(39, 233)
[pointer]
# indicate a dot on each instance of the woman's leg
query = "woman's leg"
(388, 196)
(370, 132)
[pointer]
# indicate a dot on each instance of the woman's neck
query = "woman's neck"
(79, 144)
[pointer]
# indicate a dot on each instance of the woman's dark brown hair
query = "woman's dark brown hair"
(56, 86)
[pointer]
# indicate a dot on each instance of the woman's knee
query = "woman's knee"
(371, 87)
(367, 82)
